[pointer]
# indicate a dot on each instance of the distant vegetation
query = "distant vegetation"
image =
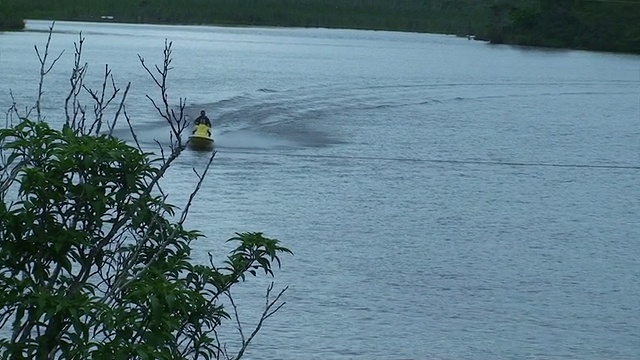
(442, 16)
(10, 17)
(610, 25)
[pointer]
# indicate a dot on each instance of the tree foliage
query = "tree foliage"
(11, 16)
(585, 24)
(94, 262)
(593, 25)
(441, 16)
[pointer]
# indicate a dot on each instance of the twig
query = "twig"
(133, 133)
(44, 69)
(177, 122)
(99, 98)
(236, 315)
(76, 80)
(267, 313)
(185, 212)
(120, 108)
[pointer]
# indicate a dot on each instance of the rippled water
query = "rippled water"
(444, 198)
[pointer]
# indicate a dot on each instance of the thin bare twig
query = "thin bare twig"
(99, 98)
(44, 69)
(76, 80)
(268, 311)
(177, 122)
(133, 133)
(183, 217)
(112, 125)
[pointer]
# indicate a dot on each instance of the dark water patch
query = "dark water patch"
(265, 90)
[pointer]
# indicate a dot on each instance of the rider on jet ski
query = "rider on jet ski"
(203, 119)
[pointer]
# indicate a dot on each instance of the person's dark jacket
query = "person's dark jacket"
(204, 120)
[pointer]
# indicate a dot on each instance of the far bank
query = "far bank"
(10, 22)
(585, 25)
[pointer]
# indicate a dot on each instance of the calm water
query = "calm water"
(445, 198)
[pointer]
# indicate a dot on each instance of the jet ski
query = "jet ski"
(201, 139)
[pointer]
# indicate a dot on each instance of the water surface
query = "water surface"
(444, 198)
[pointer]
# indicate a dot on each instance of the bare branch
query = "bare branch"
(99, 98)
(126, 116)
(268, 311)
(178, 121)
(236, 315)
(44, 69)
(222, 348)
(185, 212)
(121, 108)
(162, 156)
(76, 80)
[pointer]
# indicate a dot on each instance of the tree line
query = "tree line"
(609, 25)
(441, 16)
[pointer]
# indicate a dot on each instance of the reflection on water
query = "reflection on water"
(419, 179)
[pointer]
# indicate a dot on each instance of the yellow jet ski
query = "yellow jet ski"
(201, 138)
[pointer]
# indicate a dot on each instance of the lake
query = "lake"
(444, 198)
